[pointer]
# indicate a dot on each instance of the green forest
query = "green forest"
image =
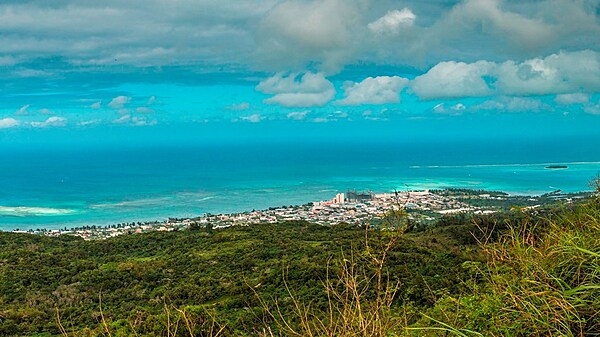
(515, 273)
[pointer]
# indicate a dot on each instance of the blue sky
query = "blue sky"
(82, 71)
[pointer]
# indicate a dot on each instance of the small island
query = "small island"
(557, 167)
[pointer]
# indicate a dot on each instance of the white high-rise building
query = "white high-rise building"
(339, 198)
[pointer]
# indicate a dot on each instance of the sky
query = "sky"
(112, 72)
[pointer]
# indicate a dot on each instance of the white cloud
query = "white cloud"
(454, 110)
(254, 118)
(393, 21)
(151, 100)
(23, 110)
(294, 90)
(562, 73)
(53, 121)
(122, 120)
(439, 108)
(593, 109)
(374, 90)
(141, 121)
(339, 114)
(379, 116)
(96, 105)
(45, 111)
(494, 30)
(565, 72)
(575, 98)
(119, 102)
(297, 115)
(7, 123)
(514, 104)
(459, 107)
(453, 79)
(294, 100)
(282, 83)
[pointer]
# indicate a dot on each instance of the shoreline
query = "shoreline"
(424, 205)
(67, 209)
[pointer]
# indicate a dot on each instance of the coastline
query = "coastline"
(423, 206)
(109, 186)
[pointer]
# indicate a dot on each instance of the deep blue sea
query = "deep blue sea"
(95, 185)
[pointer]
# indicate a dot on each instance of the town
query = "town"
(353, 208)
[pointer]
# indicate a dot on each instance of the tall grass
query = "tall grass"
(542, 278)
(360, 294)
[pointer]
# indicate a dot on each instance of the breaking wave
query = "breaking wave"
(23, 211)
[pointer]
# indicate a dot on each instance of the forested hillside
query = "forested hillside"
(515, 273)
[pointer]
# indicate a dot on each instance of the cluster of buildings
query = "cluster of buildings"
(352, 208)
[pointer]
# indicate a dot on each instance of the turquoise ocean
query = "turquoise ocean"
(103, 185)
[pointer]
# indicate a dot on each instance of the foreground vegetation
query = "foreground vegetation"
(511, 274)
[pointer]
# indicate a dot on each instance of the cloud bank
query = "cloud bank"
(288, 35)
(561, 73)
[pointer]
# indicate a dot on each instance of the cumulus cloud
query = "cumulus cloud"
(293, 100)
(593, 109)
(374, 90)
(561, 73)
(122, 120)
(96, 105)
(453, 79)
(254, 118)
(339, 114)
(514, 105)
(564, 72)
(456, 109)
(575, 98)
(119, 102)
(494, 30)
(239, 107)
(141, 121)
(393, 21)
(53, 121)
(6, 123)
(297, 115)
(295, 90)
